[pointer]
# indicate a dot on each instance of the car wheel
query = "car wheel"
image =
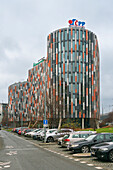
(111, 156)
(50, 139)
(85, 149)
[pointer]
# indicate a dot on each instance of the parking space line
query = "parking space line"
(76, 159)
(98, 167)
(90, 164)
(82, 162)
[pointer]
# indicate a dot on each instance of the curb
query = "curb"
(82, 155)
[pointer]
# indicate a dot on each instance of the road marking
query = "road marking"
(66, 156)
(0, 167)
(70, 158)
(9, 147)
(76, 159)
(7, 166)
(98, 167)
(90, 164)
(83, 162)
(4, 163)
(12, 153)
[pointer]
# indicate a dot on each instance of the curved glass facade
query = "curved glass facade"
(73, 73)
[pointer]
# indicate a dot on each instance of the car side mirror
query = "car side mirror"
(55, 132)
(95, 140)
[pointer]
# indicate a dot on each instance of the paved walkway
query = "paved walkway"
(1, 142)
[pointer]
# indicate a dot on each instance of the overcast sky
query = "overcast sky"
(25, 24)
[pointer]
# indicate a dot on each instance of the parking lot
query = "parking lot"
(83, 158)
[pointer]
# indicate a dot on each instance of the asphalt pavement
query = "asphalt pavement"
(20, 154)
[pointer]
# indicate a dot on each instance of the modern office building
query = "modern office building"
(73, 79)
(18, 102)
(73, 72)
(3, 114)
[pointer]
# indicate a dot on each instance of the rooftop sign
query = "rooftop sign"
(76, 23)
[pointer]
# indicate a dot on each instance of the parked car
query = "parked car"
(28, 134)
(57, 134)
(28, 131)
(85, 145)
(34, 132)
(48, 132)
(75, 137)
(103, 151)
(61, 138)
(35, 136)
(20, 130)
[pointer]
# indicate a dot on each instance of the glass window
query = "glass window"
(61, 46)
(69, 34)
(84, 46)
(66, 45)
(58, 36)
(65, 67)
(81, 45)
(81, 56)
(77, 45)
(73, 66)
(75, 136)
(69, 45)
(69, 87)
(107, 136)
(62, 35)
(69, 56)
(73, 34)
(70, 78)
(65, 56)
(73, 77)
(69, 67)
(62, 56)
(84, 135)
(65, 34)
(99, 137)
(81, 35)
(73, 89)
(77, 35)
(73, 56)
(77, 67)
(62, 67)
(73, 45)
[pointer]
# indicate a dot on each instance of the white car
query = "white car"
(29, 133)
(57, 134)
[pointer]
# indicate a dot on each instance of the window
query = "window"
(81, 35)
(65, 45)
(69, 45)
(99, 137)
(77, 45)
(77, 35)
(69, 34)
(73, 56)
(84, 135)
(73, 34)
(62, 35)
(65, 35)
(61, 46)
(75, 136)
(73, 45)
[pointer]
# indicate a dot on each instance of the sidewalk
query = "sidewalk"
(1, 142)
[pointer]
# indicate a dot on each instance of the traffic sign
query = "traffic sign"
(45, 122)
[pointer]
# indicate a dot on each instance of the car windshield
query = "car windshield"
(90, 137)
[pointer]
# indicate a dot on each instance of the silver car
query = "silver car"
(57, 134)
(76, 136)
